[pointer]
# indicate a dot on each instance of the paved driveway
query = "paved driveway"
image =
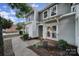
(20, 47)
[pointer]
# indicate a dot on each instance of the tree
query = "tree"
(3, 25)
(21, 26)
(21, 9)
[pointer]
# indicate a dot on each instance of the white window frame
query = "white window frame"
(51, 10)
(51, 25)
(72, 8)
(47, 14)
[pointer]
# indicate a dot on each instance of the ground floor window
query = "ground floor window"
(51, 31)
(48, 34)
(53, 35)
(54, 31)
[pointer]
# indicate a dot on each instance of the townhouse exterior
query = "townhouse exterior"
(56, 21)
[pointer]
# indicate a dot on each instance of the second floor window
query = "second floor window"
(45, 14)
(53, 11)
(73, 9)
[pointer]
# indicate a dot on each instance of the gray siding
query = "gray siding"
(63, 8)
(67, 29)
(77, 26)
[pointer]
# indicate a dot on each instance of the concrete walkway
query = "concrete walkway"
(20, 47)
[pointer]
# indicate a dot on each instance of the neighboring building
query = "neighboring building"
(10, 30)
(55, 22)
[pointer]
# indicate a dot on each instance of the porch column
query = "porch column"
(57, 31)
(44, 31)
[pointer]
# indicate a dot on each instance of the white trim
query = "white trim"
(43, 14)
(68, 14)
(51, 10)
(52, 17)
(51, 24)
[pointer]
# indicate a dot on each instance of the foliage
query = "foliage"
(62, 44)
(21, 8)
(38, 45)
(25, 36)
(20, 25)
(5, 23)
(21, 32)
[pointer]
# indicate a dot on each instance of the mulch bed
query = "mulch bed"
(40, 51)
(45, 52)
(8, 50)
(53, 50)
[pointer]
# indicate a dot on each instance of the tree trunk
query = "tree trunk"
(1, 42)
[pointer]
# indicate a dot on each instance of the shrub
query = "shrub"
(62, 44)
(25, 36)
(21, 32)
(38, 45)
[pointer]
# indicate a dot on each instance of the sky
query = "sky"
(8, 13)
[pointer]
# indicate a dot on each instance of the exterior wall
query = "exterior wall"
(32, 28)
(63, 8)
(35, 26)
(44, 31)
(77, 26)
(48, 13)
(29, 27)
(30, 18)
(29, 30)
(67, 29)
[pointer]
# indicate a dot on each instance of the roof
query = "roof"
(48, 6)
(41, 10)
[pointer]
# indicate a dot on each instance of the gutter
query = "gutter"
(68, 14)
(58, 16)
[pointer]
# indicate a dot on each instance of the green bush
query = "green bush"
(25, 36)
(62, 44)
(21, 32)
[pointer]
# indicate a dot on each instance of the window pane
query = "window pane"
(53, 35)
(73, 9)
(45, 14)
(53, 11)
(48, 34)
(54, 28)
